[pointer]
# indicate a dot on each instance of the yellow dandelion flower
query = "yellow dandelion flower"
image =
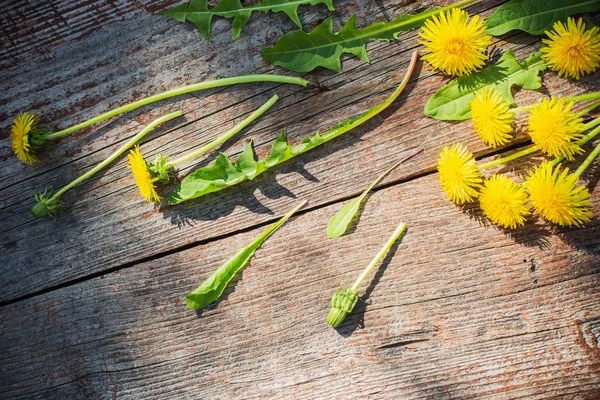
(570, 50)
(459, 176)
(504, 201)
(491, 119)
(454, 44)
(554, 129)
(143, 178)
(21, 133)
(556, 197)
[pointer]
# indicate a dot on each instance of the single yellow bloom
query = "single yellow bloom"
(459, 176)
(572, 51)
(20, 137)
(554, 129)
(504, 201)
(556, 197)
(143, 178)
(454, 44)
(491, 119)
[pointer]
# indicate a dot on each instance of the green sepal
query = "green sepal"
(342, 304)
(161, 169)
(46, 204)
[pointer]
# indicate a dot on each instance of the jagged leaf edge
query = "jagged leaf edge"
(234, 9)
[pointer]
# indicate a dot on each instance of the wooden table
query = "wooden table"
(92, 305)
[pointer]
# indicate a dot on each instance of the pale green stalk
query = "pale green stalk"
(587, 161)
(247, 121)
(178, 91)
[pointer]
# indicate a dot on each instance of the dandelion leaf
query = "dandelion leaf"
(453, 100)
(199, 14)
(535, 16)
(304, 51)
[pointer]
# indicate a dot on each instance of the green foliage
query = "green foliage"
(453, 100)
(535, 16)
(338, 224)
(223, 173)
(212, 288)
(198, 12)
(302, 52)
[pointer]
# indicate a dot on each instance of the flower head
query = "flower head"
(504, 201)
(46, 204)
(342, 304)
(570, 50)
(454, 44)
(143, 178)
(556, 197)
(491, 119)
(26, 137)
(459, 176)
(554, 129)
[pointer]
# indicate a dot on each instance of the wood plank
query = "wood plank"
(108, 206)
(461, 310)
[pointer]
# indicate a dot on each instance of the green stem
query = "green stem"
(518, 154)
(176, 92)
(587, 109)
(382, 252)
(587, 161)
(575, 99)
(582, 141)
(117, 153)
(247, 121)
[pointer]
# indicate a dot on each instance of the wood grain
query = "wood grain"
(108, 206)
(92, 305)
(460, 310)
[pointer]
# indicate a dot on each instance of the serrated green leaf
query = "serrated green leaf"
(223, 173)
(453, 100)
(535, 16)
(212, 288)
(302, 52)
(198, 12)
(338, 224)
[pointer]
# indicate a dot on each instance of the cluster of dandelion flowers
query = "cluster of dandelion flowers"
(143, 177)
(491, 117)
(570, 50)
(556, 196)
(504, 201)
(455, 44)
(26, 137)
(460, 177)
(554, 129)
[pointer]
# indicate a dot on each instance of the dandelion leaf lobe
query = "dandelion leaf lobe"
(535, 16)
(199, 14)
(453, 100)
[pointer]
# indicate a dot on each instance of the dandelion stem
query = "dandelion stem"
(518, 154)
(587, 161)
(399, 231)
(117, 153)
(583, 140)
(247, 121)
(574, 99)
(177, 92)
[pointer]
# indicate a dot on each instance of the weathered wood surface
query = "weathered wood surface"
(93, 302)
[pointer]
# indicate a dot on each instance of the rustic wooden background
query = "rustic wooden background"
(92, 305)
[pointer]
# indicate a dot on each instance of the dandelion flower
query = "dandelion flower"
(454, 44)
(491, 119)
(459, 176)
(143, 178)
(556, 197)
(554, 129)
(570, 50)
(26, 137)
(504, 201)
